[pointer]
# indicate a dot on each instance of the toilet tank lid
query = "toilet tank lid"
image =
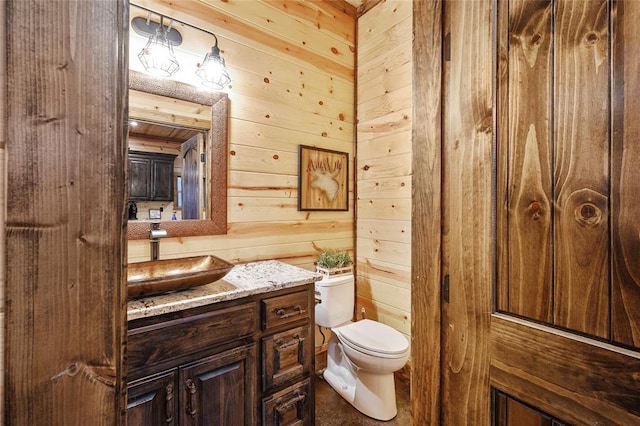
(374, 336)
(335, 280)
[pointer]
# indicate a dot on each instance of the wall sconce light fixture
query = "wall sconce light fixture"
(212, 71)
(159, 59)
(157, 55)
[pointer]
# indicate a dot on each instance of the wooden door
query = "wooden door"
(162, 179)
(139, 178)
(220, 390)
(190, 151)
(541, 238)
(153, 400)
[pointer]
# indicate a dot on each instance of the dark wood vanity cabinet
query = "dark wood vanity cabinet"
(150, 176)
(242, 362)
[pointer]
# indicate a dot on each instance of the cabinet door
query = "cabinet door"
(139, 178)
(286, 357)
(153, 400)
(162, 180)
(220, 390)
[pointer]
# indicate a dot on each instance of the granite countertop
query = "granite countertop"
(243, 280)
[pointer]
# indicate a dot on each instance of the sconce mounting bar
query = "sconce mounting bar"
(175, 20)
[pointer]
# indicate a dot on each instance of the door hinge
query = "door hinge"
(202, 158)
(446, 47)
(445, 288)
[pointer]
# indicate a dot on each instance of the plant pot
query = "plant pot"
(330, 272)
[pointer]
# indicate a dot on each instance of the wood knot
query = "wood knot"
(588, 214)
(535, 39)
(514, 39)
(486, 125)
(591, 38)
(536, 210)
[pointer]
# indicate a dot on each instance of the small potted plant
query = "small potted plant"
(334, 262)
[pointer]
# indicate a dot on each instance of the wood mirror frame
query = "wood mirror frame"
(216, 167)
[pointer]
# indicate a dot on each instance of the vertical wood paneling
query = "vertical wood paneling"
(592, 123)
(501, 302)
(426, 213)
(577, 379)
(625, 175)
(65, 210)
(467, 211)
(3, 201)
(581, 151)
(527, 145)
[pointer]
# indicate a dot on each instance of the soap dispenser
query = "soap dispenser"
(133, 211)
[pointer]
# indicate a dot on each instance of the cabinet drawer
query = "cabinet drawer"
(290, 407)
(286, 357)
(282, 310)
(177, 338)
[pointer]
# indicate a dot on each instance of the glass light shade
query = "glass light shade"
(212, 72)
(157, 56)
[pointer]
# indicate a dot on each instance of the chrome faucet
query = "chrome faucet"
(155, 233)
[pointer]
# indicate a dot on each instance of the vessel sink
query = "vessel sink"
(162, 276)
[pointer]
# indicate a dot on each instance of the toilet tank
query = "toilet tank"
(336, 294)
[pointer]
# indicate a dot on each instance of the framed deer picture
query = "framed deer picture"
(323, 179)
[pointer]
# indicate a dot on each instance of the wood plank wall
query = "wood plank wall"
(383, 169)
(292, 70)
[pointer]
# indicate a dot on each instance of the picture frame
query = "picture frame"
(323, 179)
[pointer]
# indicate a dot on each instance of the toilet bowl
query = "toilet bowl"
(362, 356)
(361, 360)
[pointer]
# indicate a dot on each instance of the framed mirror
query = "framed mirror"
(178, 104)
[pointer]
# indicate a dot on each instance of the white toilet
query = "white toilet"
(362, 355)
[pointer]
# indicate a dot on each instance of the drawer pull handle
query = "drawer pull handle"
(191, 406)
(169, 403)
(297, 310)
(296, 340)
(285, 405)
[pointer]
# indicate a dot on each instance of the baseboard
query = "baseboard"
(321, 357)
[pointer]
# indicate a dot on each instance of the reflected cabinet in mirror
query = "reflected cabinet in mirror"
(177, 158)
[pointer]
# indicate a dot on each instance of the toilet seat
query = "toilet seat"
(373, 338)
